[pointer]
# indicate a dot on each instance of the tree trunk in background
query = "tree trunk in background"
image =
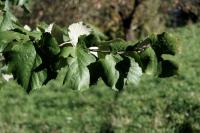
(128, 19)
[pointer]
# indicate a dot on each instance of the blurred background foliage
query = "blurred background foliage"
(128, 19)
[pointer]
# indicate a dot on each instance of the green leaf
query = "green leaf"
(117, 45)
(47, 48)
(67, 51)
(59, 33)
(77, 74)
(42, 26)
(33, 35)
(89, 41)
(109, 75)
(130, 72)
(149, 61)
(8, 21)
(49, 44)
(99, 35)
(22, 61)
(24, 4)
(113, 45)
(164, 43)
(8, 36)
(38, 78)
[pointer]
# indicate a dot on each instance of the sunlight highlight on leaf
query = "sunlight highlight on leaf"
(49, 28)
(7, 77)
(26, 27)
(76, 30)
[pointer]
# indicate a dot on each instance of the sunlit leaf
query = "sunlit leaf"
(134, 73)
(77, 75)
(109, 74)
(76, 30)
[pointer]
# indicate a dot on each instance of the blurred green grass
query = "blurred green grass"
(155, 106)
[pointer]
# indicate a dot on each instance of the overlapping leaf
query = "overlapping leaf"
(23, 60)
(148, 53)
(120, 71)
(77, 74)
(164, 43)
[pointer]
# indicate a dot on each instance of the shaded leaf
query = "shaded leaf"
(164, 43)
(123, 68)
(38, 78)
(95, 70)
(49, 44)
(59, 33)
(22, 61)
(168, 68)
(117, 45)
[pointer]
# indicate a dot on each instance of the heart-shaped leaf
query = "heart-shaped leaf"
(77, 74)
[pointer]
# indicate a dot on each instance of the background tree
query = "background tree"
(118, 18)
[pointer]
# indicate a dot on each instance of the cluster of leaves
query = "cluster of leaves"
(35, 57)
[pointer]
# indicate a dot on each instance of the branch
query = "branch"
(136, 48)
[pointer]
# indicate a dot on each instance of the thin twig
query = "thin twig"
(63, 44)
(100, 51)
(108, 51)
(137, 48)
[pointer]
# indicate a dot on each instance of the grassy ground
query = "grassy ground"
(155, 106)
